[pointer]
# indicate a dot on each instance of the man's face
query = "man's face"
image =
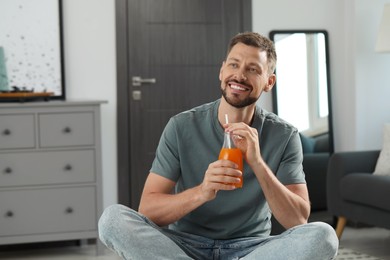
(244, 75)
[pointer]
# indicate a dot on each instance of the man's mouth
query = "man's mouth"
(238, 87)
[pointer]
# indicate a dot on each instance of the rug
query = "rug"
(350, 254)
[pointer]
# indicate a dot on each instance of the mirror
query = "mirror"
(31, 53)
(301, 95)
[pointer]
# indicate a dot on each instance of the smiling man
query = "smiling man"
(190, 207)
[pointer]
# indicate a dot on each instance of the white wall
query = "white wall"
(359, 82)
(360, 78)
(372, 76)
(90, 72)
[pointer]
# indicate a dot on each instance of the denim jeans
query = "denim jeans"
(133, 236)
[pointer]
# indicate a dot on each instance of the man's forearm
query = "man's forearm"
(164, 209)
(289, 204)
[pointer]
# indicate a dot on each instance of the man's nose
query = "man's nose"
(241, 75)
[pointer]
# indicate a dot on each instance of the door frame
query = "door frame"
(123, 94)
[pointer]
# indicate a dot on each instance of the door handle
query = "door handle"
(138, 81)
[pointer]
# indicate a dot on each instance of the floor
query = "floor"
(368, 240)
(357, 242)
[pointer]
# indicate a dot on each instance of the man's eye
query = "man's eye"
(233, 65)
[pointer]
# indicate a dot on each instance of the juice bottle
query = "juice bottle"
(232, 153)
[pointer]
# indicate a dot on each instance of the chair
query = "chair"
(354, 193)
(315, 165)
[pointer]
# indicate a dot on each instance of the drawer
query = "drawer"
(27, 212)
(40, 168)
(66, 129)
(17, 131)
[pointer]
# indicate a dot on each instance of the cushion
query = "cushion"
(367, 189)
(383, 164)
(322, 143)
(307, 143)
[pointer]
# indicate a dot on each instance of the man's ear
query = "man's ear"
(271, 83)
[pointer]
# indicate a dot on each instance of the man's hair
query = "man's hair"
(258, 41)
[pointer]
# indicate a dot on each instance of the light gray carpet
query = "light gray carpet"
(349, 254)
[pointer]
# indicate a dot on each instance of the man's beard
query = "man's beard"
(240, 103)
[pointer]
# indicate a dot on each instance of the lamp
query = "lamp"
(383, 41)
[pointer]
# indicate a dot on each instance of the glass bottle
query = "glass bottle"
(230, 152)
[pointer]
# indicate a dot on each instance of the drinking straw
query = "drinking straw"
(229, 145)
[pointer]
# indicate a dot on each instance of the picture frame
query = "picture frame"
(31, 44)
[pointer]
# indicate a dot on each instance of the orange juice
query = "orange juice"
(234, 155)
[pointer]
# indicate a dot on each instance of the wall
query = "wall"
(90, 70)
(372, 76)
(359, 84)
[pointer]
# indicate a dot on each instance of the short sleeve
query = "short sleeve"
(167, 161)
(290, 170)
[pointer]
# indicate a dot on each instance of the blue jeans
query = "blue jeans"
(133, 236)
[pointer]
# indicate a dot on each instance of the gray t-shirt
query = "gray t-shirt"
(192, 140)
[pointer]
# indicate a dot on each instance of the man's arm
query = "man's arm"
(289, 204)
(160, 205)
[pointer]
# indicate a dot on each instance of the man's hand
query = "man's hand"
(219, 176)
(246, 139)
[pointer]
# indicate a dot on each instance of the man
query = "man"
(190, 208)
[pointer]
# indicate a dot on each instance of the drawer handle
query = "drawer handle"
(67, 130)
(69, 210)
(7, 132)
(8, 170)
(68, 167)
(9, 214)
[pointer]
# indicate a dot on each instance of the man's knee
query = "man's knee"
(325, 230)
(110, 221)
(326, 237)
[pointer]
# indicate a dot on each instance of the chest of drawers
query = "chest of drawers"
(50, 171)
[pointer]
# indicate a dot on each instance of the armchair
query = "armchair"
(315, 164)
(354, 193)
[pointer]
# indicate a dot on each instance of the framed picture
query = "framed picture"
(31, 49)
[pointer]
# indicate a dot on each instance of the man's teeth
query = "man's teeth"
(237, 87)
